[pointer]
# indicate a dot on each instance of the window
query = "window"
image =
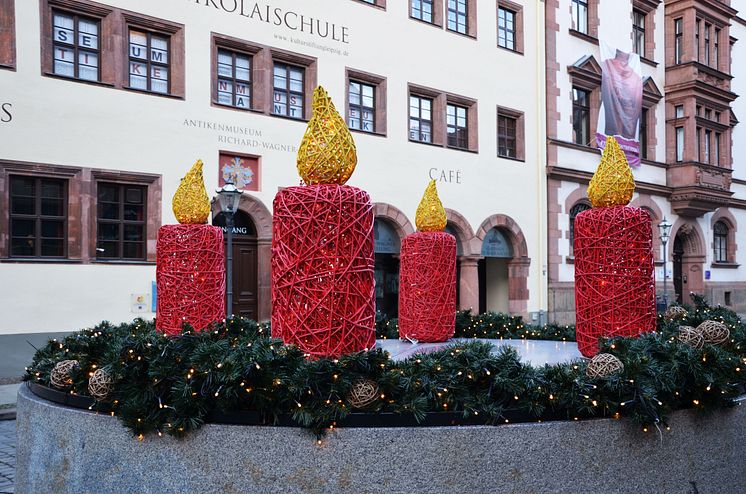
(638, 32)
(679, 111)
(7, 34)
(457, 16)
(720, 241)
(708, 138)
(422, 10)
(698, 29)
(581, 116)
(38, 217)
(288, 84)
(679, 144)
(420, 119)
(149, 61)
(506, 136)
(506, 28)
(699, 144)
(716, 49)
(707, 43)
(644, 133)
(580, 15)
(456, 127)
(121, 221)
(76, 46)
(362, 106)
(717, 148)
(678, 40)
(234, 79)
(574, 212)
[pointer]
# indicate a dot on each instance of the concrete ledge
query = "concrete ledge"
(68, 450)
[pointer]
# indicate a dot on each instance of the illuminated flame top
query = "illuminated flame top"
(431, 216)
(327, 153)
(612, 184)
(190, 203)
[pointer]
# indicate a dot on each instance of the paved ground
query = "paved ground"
(7, 456)
(17, 350)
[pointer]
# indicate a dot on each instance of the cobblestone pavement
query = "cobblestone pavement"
(7, 456)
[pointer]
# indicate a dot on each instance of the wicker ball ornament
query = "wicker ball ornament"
(100, 384)
(675, 313)
(60, 376)
(364, 392)
(691, 336)
(714, 332)
(603, 365)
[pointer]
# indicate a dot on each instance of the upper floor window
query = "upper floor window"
(708, 28)
(288, 94)
(149, 61)
(457, 16)
(716, 49)
(506, 136)
(38, 217)
(76, 46)
(456, 126)
(362, 106)
(581, 116)
(679, 144)
(697, 30)
(644, 133)
(121, 221)
(580, 15)
(678, 40)
(234, 79)
(7, 34)
(720, 241)
(422, 10)
(506, 35)
(638, 32)
(420, 119)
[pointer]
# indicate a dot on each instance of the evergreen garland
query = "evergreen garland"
(171, 385)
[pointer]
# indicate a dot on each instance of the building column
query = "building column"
(469, 283)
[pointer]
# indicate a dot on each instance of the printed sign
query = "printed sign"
(139, 302)
(621, 101)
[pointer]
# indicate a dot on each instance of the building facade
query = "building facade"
(105, 105)
(691, 142)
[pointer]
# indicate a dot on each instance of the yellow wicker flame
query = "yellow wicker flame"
(191, 204)
(327, 153)
(431, 216)
(613, 183)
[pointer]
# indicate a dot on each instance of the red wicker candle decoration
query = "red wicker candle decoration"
(613, 248)
(190, 272)
(427, 276)
(323, 297)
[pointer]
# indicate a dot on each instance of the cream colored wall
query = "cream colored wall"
(70, 123)
(497, 285)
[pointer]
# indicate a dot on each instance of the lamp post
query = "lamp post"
(229, 197)
(665, 229)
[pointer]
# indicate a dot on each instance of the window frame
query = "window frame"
(7, 35)
(575, 9)
(586, 110)
(361, 108)
(38, 217)
(720, 242)
(419, 119)
(233, 80)
(679, 143)
(708, 28)
(644, 116)
(149, 34)
(462, 141)
(287, 91)
(432, 11)
(379, 98)
(638, 32)
(465, 14)
(678, 51)
(121, 221)
(76, 18)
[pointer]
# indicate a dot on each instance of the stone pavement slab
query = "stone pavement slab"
(7, 456)
(8, 394)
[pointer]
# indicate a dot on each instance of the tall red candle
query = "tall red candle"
(613, 248)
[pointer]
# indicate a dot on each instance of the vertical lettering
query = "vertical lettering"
(345, 35)
(278, 17)
(303, 24)
(318, 29)
(5, 107)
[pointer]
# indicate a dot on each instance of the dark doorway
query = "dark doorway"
(387, 246)
(678, 278)
(245, 266)
(492, 272)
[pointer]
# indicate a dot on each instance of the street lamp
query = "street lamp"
(665, 230)
(228, 198)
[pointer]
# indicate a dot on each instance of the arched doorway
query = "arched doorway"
(387, 247)
(494, 291)
(688, 256)
(450, 229)
(245, 264)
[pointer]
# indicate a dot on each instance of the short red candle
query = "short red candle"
(323, 297)
(427, 287)
(614, 279)
(190, 277)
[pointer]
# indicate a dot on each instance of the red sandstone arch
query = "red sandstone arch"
(463, 229)
(395, 217)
